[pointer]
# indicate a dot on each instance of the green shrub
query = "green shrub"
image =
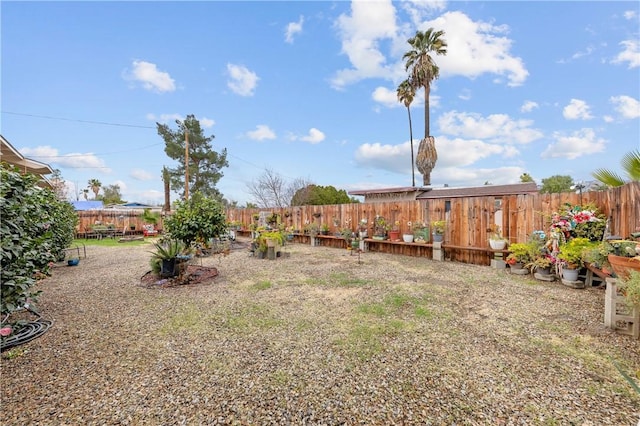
(196, 219)
(35, 229)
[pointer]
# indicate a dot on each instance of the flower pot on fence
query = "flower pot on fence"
(497, 244)
(394, 235)
(407, 238)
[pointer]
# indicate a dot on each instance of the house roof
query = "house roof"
(480, 191)
(423, 193)
(386, 190)
(12, 156)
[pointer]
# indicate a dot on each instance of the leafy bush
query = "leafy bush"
(198, 218)
(35, 229)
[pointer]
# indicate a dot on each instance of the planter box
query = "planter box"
(617, 314)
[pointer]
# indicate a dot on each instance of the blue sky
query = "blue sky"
(308, 89)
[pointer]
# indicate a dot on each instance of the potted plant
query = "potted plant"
(438, 228)
(496, 240)
(624, 257)
(362, 228)
(541, 264)
(571, 257)
(380, 228)
(167, 257)
(407, 237)
(630, 288)
(324, 229)
(420, 232)
(394, 232)
(347, 235)
(520, 254)
(269, 239)
(311, 229)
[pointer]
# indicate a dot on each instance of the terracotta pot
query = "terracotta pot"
(394, 235)
(622, 265)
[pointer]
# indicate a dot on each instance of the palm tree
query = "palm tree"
(406, 93)
(422, 71)
(630, 163)
(95, 185)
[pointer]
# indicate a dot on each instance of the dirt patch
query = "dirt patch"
(195, 274)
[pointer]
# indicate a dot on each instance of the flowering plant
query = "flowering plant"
(362, 225)
(495, 232)
(380, 225)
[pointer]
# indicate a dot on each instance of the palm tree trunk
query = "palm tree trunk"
(427, 91)
(413, 171)
(426, 158)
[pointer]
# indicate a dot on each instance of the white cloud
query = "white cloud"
(139, 174)
(495, 128)
(242, 81)
(528, 106)
(171, 118)
(164, 118)
(455, 152)
(465, 94)
(361, 33)
(630, 53)
(51, 156)
(389, 98)
(315, 136)
(206, 122)
(121, 184)
(150, 77)
(630, 14)
(577, 110)
(386, 97)
(261, 133)
(475, 48)
(579, 143)
(627, 106)
(608, 119)
(292, 29)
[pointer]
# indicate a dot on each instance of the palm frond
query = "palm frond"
(608, 177)
(631, 164)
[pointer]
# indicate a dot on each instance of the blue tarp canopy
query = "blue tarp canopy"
(87, 205)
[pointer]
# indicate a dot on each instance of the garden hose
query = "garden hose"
(26, 331)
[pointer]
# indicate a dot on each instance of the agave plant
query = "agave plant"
(630, 163)
(168, 250)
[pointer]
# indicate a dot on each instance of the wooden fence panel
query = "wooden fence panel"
(467, 218)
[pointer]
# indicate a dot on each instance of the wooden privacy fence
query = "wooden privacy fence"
(468, 219)
(121, 220)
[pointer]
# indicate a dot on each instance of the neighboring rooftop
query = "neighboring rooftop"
(423, 193)
(10, 155)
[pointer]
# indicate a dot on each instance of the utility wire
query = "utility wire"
(104, 123)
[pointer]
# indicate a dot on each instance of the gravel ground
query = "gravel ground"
(318, 336)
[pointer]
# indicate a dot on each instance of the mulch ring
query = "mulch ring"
(194, 274)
